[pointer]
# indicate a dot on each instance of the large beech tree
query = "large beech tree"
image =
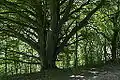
(46, 25)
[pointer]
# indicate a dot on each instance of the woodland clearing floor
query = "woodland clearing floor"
(107, 72)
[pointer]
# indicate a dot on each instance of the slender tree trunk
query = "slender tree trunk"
(6, 68)
(76, 49)
(114, 45)
(86, 54)
(115, 34)
(105, 52)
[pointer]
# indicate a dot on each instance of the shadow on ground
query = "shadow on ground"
(108, 72)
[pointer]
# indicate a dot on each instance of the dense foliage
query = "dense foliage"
(44, 34)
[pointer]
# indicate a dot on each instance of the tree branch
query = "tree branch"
(11, 59)
(81, 25)
(103, 34)
(25, 54)
(22, 38)
(78, 9)
(74, 42)
(66, 14)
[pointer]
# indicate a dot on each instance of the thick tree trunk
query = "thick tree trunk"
(52, 37)
(55, 29)
(49, 63)
(49, 56)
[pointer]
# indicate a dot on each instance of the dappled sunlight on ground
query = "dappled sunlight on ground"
(77, 77)
(85, 74)
(105, 73)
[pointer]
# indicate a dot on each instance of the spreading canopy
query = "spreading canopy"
(46, 25)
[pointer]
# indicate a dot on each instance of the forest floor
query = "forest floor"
(107, 72)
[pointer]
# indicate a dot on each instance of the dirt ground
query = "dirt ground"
(107, 72)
